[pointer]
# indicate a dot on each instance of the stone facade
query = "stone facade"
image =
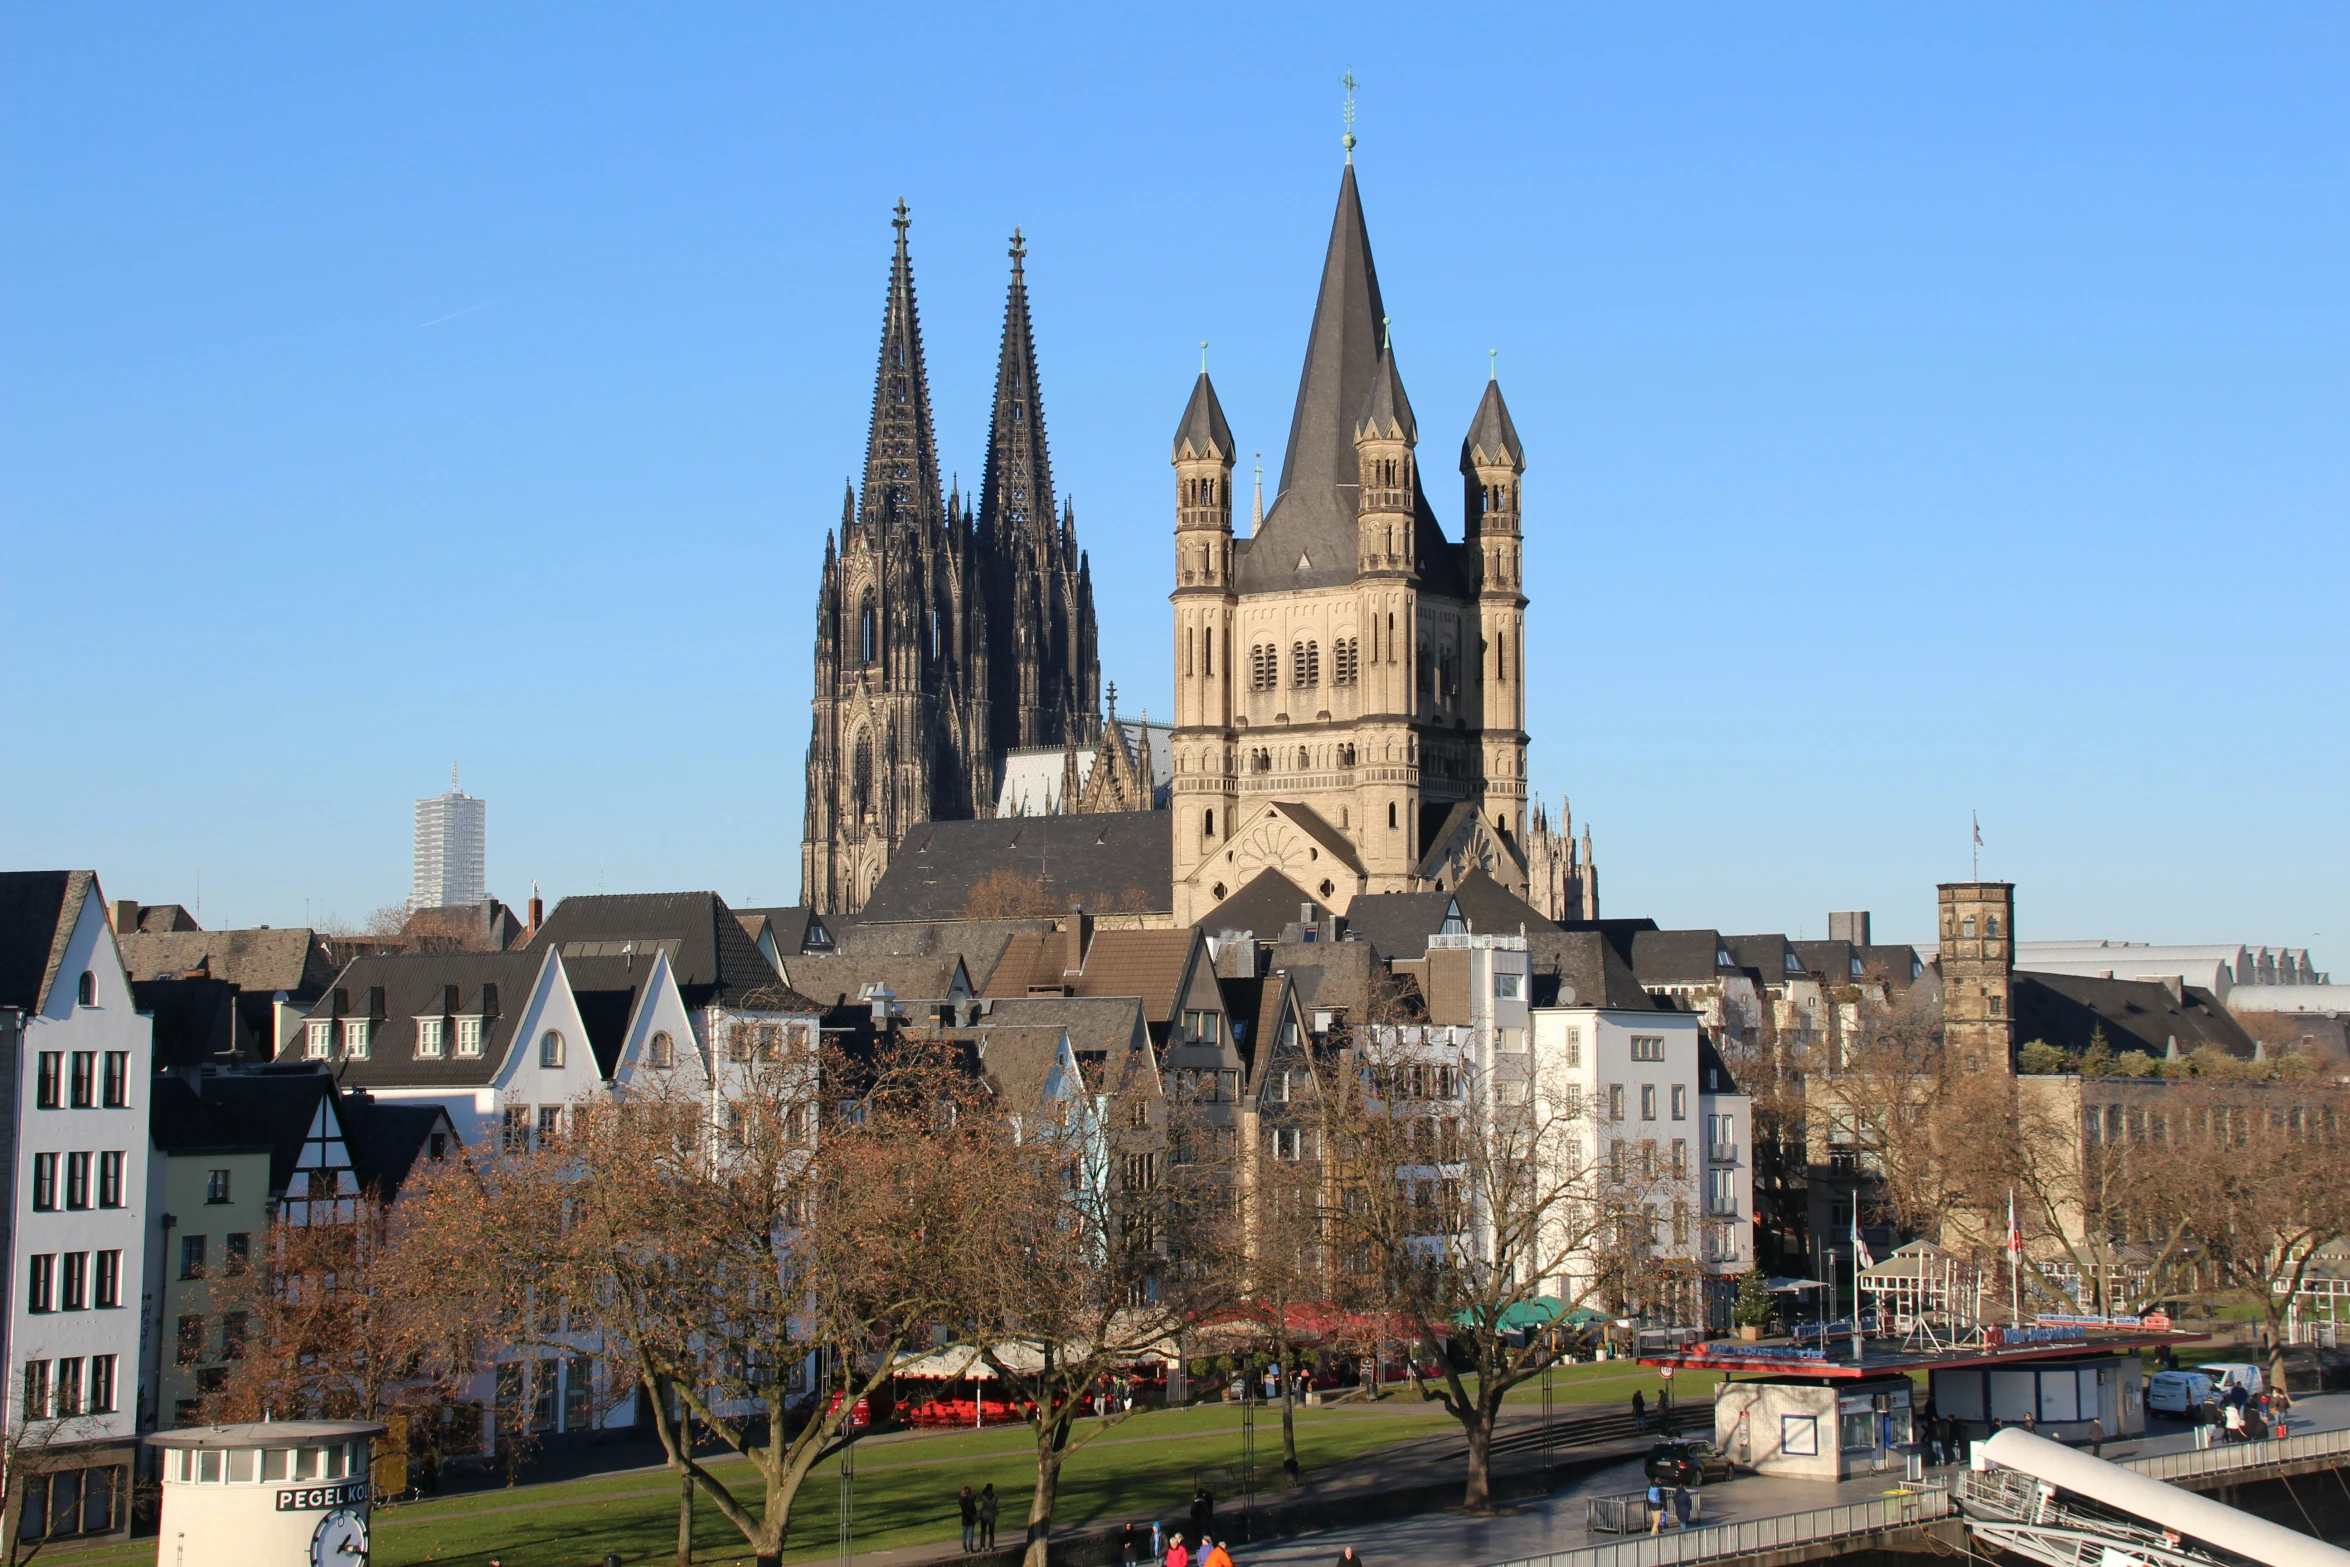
(942, 639)
(1978, 972)
(1349, 703)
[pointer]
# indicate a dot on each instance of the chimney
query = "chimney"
(126, 916)
(1077, 933)
(375, 1001)
(448, 1000)
(342, 1001)
(489, 1001)
(1852, 927)
(538, 912)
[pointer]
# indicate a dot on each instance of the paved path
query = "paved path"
(1556, 1523)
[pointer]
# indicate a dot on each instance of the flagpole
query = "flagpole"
(1859, 1355)
(2015, 1266)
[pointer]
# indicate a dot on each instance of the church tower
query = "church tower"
(1347, 704)
(901, 707)
(1045, 669)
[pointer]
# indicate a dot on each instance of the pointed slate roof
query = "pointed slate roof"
(1016, 492)
(1203, 432)
(1387, 413)
(901, 452)
(1492, 439)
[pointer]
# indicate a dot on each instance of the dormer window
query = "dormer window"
(1793, 965)
(355, 1032)
(1722, 956)
(469, 1036)
(429, 1044)
(321, 1042)
(1856, 969)
(550, 1049)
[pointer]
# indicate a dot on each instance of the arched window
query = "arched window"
(1966, 927)
(1391, 816)
(1207, 824)
(868, 632)
(86, 991)
(1305, 665)
(1305, 762)
(1501, 656)
(861, 779)
(661, 1053)
(1991, 926)
(550, 1049)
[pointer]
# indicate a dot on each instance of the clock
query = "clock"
(341, 1540)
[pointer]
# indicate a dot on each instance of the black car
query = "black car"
(1687, 1463)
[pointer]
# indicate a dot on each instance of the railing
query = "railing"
(1628, 1513)
(2241, 1455)
(1721, 1153)
(1755, 1536)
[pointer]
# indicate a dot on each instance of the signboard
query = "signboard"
(318, 1498)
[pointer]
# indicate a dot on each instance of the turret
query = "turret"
(1384, 438)
(1491, 464)
(1203, 491)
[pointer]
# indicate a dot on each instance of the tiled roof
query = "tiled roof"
(1581, 968)
(1107, 1023)
(1771, 956)
(840, 979)
(1268, 904)
(1490, 907)
(195, 1020)
(715, 963)
(980, 943)
(1677, 957)
(34, 930)
(1145, 963)
(2067, 1010)
(260, 960)
(1020, 1059)
(1115, 862)
(493, 985)
(1398, 923)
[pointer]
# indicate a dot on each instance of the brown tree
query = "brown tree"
(1472, 1201)
(755, 1261)
(1104, 1236)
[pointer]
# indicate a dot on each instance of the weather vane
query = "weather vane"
(1348, 140)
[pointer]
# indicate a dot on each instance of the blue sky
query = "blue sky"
(1929, 409)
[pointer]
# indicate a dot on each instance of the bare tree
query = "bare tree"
(754, 1263)
(1470, 1201)
(1105, 1236)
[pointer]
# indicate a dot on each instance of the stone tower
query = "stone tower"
(941, 641)
(1347, 677)
(1977, 960)
(1045, 674)
(901, 725)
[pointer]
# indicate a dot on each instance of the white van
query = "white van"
(2228, 1375)
(2178, 1393)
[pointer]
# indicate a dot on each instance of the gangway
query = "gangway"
(2064, 1508)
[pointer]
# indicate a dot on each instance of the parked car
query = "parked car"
(2179, 1393)
(2228, 1375)
(1687, 1463)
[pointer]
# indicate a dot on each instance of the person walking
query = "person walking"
(1656, 1508)
(1639, 1410)
(1178, 1554)
(1217, 1556)
(1158, 1541)
(2096, 1438)
(1203, 1515)
(2232, 1418)
(968, 1500)
(1683, 1505)
(987, 1508)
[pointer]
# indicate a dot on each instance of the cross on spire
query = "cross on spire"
(1348, 140)
(1019, 249)
(901, 221)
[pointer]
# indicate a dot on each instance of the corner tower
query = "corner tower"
(1977, 960)
(1204, 793)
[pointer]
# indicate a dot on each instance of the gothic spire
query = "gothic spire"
(1016, 493)
(901, 452)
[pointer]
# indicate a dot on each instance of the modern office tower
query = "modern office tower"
(450, 833)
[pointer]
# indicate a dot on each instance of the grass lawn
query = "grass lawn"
(905, 1493)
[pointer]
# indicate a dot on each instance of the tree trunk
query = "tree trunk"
(1288, 1427)
(1478, 1497)
(685, 1520)
(1041, 1505)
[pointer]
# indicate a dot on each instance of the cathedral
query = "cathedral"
(944, 640)
(1349, 682)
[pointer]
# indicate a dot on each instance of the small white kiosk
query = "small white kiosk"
(286, 1493)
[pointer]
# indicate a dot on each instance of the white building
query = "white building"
(2220, 969)
(1670, 1147)
(451, 840)
(81, 1059)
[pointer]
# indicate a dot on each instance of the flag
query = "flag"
(2015, 1236)
(1978, 821)
(1860, 1248)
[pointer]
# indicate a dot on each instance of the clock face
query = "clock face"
(341, 1541)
